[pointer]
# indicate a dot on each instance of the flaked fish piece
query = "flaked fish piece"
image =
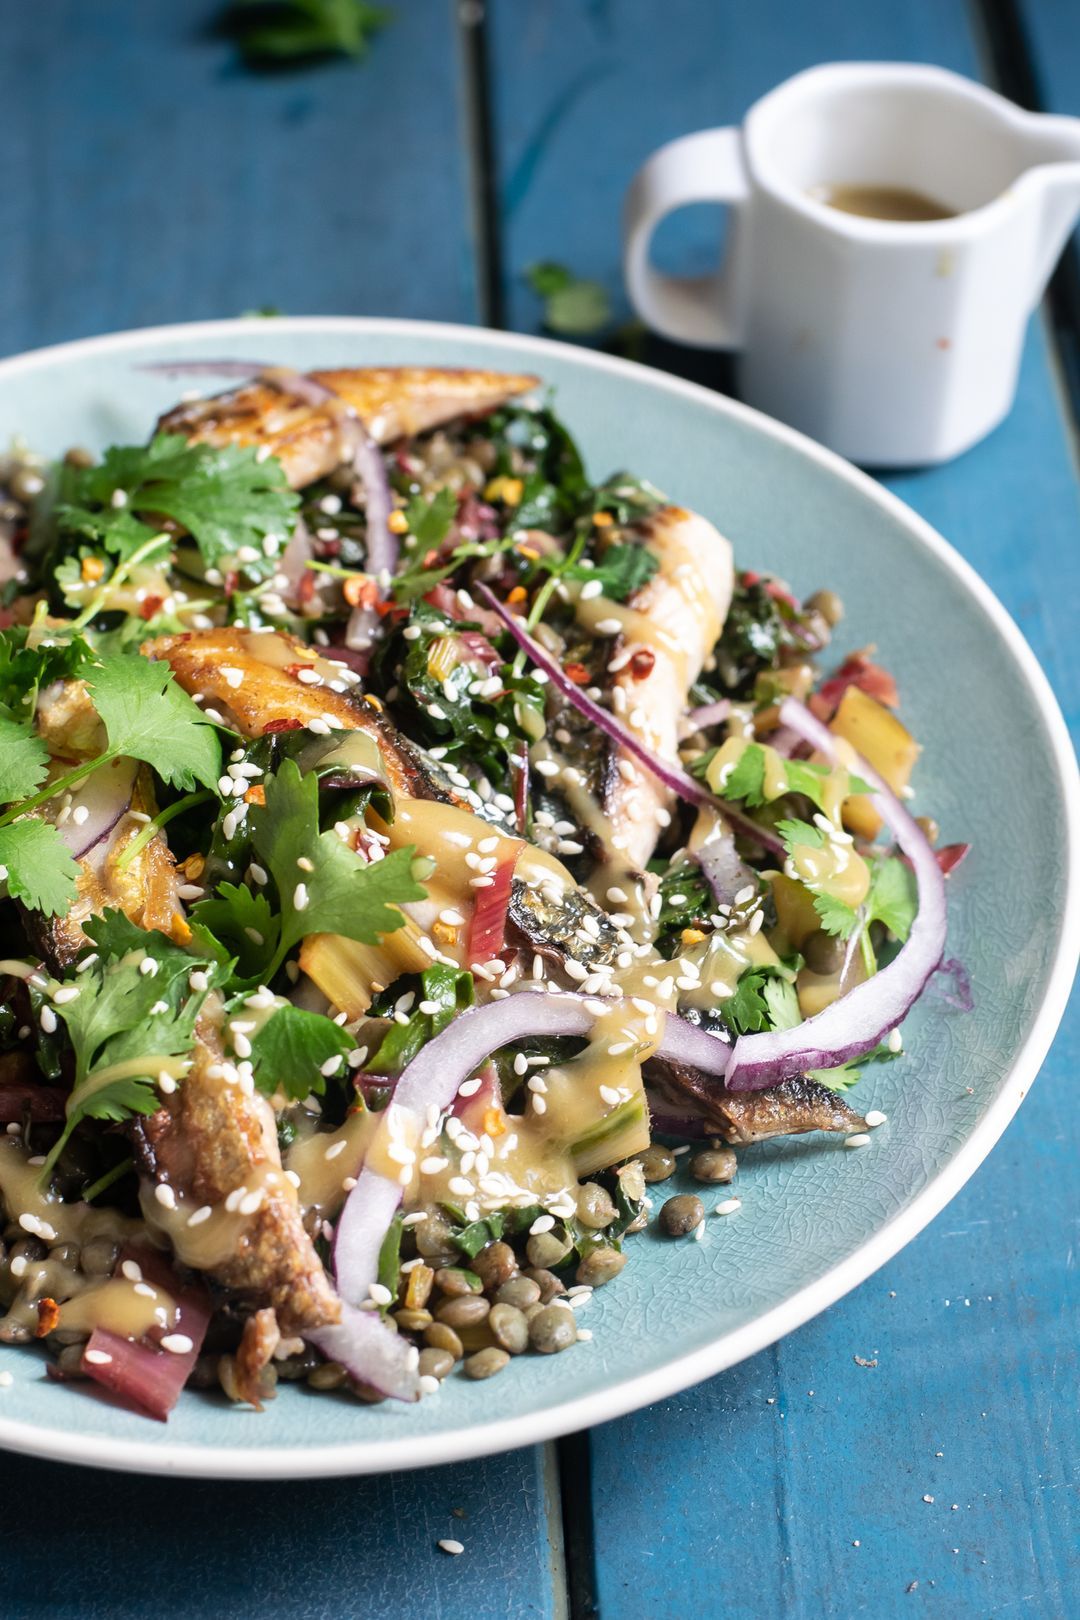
(145, 888)
(305, 434)
(261, 681)
(258, 1342)
(790, 1109)
(674, 620)
(212, 1139)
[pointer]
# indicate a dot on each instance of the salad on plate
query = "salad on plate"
(410, 852)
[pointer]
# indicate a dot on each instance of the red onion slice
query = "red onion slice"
(680, 782)
(106, 798)
(368, 1350)
(723, 869)
(370, 470)
(710, 714)
(856, 1023)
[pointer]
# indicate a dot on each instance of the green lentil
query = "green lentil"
(485, 1363)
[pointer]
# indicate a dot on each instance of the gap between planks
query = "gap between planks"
(1008, 64)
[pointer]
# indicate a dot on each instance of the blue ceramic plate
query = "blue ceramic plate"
(815, 1220)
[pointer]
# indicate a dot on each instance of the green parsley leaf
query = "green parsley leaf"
(837, 917)
(24, 762)
(340, 894)
(148, 717)
(290, 1048)
(40, 869)
(893, 897)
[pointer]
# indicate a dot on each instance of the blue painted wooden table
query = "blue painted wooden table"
(147, 178)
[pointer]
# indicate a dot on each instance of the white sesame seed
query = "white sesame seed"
(452, 1547)
(178, 1344)
(97, 1358)
(68, 993)
(300, 896)
(379, 1293)
(203, 1213)
(48, 1020)
(542, 1223)
(728, 1207)
(875, 1118)
(859, 1140)
(165, 1195)
(895, 1043)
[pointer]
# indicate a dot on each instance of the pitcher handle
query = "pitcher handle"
(706, 167)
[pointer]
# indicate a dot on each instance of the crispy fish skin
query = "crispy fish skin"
(679, 613)
(269, 694)
(393, 402)
(210, 1139)
(790, 1109)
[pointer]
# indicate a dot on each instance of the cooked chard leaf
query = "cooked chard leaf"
(448, 990)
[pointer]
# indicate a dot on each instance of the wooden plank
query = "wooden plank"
(715, 1502)
(583, 93)
(83, 1545)
(149, 178)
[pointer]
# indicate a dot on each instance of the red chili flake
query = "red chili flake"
(750, 578)
(149, 606)
(328, 548)
(305, 589)
(232, 580)
(641, 664)
(284, 724)
(578, 674)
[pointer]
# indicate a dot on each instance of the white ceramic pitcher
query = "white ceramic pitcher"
(894, 343)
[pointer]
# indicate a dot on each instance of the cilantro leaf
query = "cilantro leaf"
(148, 717)
(239, 922)
(24, 762)
(782, 1003)
(287, 30)
(746, 1012)
(227, 499)
(334, 891)
(125, 1023)
(799, 832)
(430, 520)
(746, 780)
(893, 896)
(571, 305)
(836, 916)
(290, 1048)
(39, 868)
(621, 570)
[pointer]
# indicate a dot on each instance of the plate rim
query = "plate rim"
(167, 1458)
